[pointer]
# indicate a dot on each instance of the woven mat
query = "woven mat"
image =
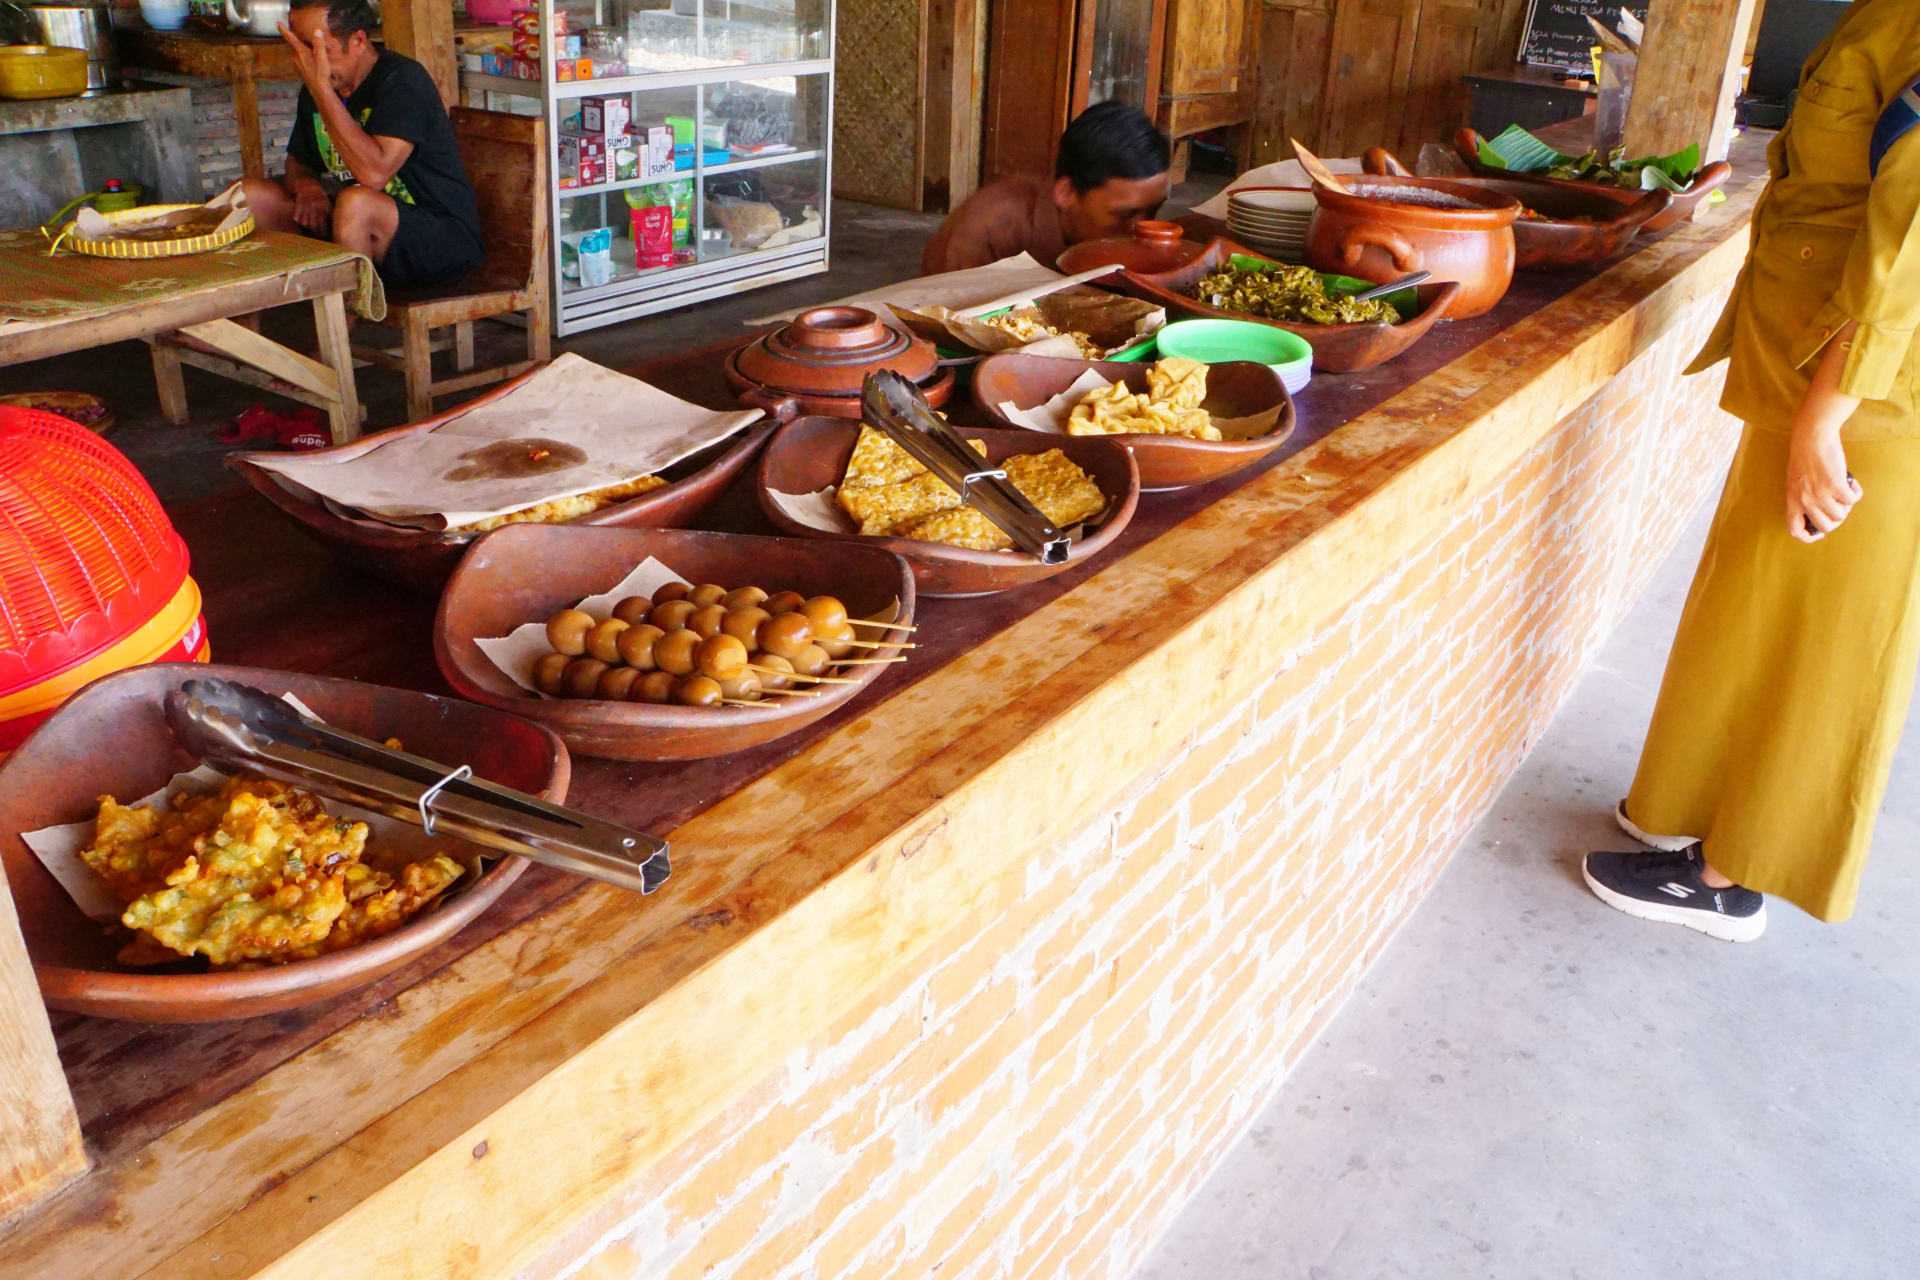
(34, 286)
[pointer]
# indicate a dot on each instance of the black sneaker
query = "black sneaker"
(1666, 887)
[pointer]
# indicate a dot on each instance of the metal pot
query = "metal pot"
(83, 26)
(257, 17)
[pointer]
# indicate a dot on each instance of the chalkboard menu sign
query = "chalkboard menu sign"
(1557, 34)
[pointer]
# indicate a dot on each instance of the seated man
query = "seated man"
(372, 164)
(1112, 172)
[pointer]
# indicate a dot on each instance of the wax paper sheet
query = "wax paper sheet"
(1114, 323)
(998, 284)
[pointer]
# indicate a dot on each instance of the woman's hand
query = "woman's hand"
(1819, 490)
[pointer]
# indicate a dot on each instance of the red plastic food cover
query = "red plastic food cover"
(86, 554)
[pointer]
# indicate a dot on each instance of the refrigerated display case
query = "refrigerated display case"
(720, 181)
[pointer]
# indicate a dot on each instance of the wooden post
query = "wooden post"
(39, 1133)
(1689, 72)
(423, 30)
(952, 80)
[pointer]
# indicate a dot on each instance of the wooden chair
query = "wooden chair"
(506, 161)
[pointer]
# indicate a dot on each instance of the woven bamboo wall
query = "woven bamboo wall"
(876, 102)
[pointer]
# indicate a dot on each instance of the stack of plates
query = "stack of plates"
(1272, 220)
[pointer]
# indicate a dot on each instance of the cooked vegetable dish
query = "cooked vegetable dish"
(1295, 294)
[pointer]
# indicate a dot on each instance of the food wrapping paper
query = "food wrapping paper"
(998, 284)
(596, 427)
(818, 510)
(517, 651)
(58, 847)
(1053, 415)
(1113, 321)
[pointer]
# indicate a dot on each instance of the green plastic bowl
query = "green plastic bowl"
(1218, 341)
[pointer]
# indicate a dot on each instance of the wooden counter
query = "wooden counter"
(995, 962)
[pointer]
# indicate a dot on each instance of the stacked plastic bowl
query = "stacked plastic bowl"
(1271, 220)
(1218, 341)
(93, 578)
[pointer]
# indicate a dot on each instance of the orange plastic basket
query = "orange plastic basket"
(87, 556)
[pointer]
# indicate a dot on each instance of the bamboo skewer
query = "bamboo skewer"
(878, 644)
(891, 626)
(868, 662)
(795, 675)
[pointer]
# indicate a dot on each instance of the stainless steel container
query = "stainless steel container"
(83, 26)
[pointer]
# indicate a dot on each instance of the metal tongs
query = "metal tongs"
(894, 405)
(239, 729)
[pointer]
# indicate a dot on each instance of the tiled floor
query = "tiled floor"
(1530, 1085)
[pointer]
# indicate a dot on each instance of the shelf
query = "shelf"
(729, 73)
(678, 175)
(626, 275)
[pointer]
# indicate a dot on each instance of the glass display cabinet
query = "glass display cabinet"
(691, 144)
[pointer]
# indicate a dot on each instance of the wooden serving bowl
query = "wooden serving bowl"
(1236, 389)
(1467, 143)
(422, 560)
(111, 738)
(1613, 216)
(527, 572)
(809, 454)
(1337, 348)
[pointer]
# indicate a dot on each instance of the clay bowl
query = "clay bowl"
(1383, 228)
(817, 364)
(526, 572)
(1153, 246)
(1337, 348)
(1237, 389)
(809, 454)
(111, 738)
(1467, 143)
(421, 560)
(1613, 217)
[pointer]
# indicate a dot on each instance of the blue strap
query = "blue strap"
(1902, 114)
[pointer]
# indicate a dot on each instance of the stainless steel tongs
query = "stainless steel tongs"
(237, 728)
(894, 405)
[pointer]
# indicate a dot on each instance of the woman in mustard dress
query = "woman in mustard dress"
(1791, 674)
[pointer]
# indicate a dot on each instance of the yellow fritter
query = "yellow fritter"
(883, 509)
(960, 527)
(135, 850)
(1053, 483)
(561, 510)
(378, 903)
(1178, 382)
(877, 461)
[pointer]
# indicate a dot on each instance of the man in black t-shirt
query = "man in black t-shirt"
(372, 163)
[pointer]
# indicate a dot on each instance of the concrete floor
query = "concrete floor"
(871, 246)
(1530, 1085)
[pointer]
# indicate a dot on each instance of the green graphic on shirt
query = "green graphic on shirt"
(331, 158)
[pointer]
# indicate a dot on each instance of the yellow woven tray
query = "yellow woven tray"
(149, 248)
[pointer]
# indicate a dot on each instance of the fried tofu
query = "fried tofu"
(885, 508)
(561, 510)
(1052, 482)
(1171, 406)
(961, 527)
(877, 461)
(1178, 382)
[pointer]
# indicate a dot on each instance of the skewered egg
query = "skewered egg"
(655, 687)
(670, 591)
(567, 631)
(616, 684)
(548, 671)
(721, 657)
(636, 645)
(583, 676)
(674, 652)
(707, 620)
(672, 615)
(698, 691)
(774, 671)
(783, 602)
(785, 634)
(745, 686)
(744, 625)
(707, 593)
(811, 661)
(633, 609)
(825, 613)
(603, 642)
(837, 641)
(744, 598)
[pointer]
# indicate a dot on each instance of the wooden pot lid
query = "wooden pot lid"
(830, 351)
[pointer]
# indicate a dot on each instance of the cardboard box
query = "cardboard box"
(656, 156)
(563, 70)
(623, 160)
(526, 69)
(609, 115)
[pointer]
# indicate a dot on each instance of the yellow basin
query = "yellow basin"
(37, 71)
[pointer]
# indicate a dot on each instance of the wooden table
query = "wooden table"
(243, 355)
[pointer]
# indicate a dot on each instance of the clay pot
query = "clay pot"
(1153, 247)
(1382, 231)
(1467, 143)
(1580, 223)
(816, 364)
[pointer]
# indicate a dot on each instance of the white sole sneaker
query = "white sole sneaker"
(1714, 925)
(1666, 844)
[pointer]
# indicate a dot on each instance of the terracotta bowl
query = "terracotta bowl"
(809, 454)
(817, 364)
(1153, 246)
(1612, 217)
(1467, 143)
(421, 560)
(526, 572)
(1240, 389)
(1337, 348)
(111, 738)
(1381, 229)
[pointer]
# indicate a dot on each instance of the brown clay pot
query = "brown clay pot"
(525, 572)
(1239, 389)
(1377, 231)
(1467, 143)
(1153, 246)
(809, 454)
(1610, 217)
(111, 738)
(816, 364)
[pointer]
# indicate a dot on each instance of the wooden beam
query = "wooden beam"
(1688, 75)
(39, 1132)
(423, 30)
(952, 77)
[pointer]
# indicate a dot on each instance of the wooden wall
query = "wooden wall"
(1345, 75)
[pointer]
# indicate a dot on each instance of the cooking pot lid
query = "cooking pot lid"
(831, 350)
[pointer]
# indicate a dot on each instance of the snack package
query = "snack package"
(653, 236)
